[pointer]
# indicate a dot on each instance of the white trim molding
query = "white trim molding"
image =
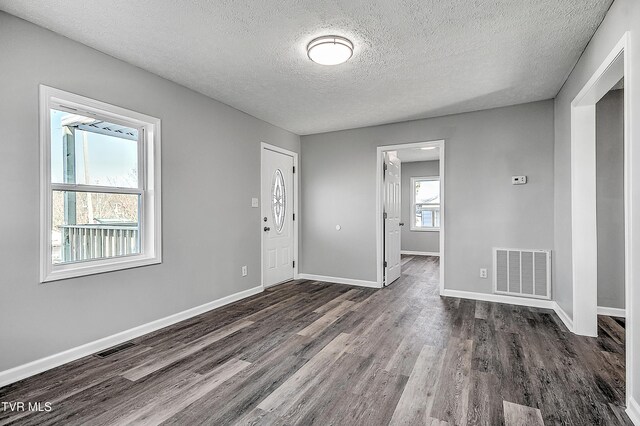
(420, 253)
(38, 366)
(583, 185)
(499, 298)
(338, 280)
(612, 312)
(633, 411)
(566, 319)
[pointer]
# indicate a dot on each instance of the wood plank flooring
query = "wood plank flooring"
(309, 352)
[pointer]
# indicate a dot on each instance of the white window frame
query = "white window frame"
(149, 174)
(413, 204)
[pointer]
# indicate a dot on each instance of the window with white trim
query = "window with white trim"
(100, 187)
(425, 203)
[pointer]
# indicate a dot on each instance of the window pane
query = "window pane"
(92, 152)
(94, 226)
(278, 201)
(427, 216)
(427, 191)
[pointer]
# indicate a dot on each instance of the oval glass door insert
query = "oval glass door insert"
(278, 200)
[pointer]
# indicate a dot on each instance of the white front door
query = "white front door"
(391, 218)
(277, 217)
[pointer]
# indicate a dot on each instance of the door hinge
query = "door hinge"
(384, 215)
(294, 169)
(385, 263)
(384, 166)
(294, 216)
(294, 263)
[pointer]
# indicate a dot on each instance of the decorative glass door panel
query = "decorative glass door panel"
(278, 200)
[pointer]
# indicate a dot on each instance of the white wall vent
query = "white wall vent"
(521, 272)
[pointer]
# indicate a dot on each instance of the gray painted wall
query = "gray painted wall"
(425, 241)
(624, 15)
(210, 167)
(483, 210)
(610, 198)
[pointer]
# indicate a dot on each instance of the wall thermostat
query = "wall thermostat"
(518, 180)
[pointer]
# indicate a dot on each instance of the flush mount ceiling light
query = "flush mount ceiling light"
(330, 50)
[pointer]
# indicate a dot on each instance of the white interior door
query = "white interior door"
(391, 214)
(277, 217)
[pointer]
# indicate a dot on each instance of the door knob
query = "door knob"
(266, 229)
(401, 224)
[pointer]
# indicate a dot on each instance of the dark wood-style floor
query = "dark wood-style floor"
(315, 353)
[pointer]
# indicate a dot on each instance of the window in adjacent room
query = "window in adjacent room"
(100, 187)
(425, 203)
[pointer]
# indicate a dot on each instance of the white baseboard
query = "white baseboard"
(513, 300)
(612, 312)
(338, 280)
(38, 366)
(499, 298)
(633, 411)
(420, 253)
(568, 322)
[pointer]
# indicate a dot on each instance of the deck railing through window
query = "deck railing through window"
(96, 241)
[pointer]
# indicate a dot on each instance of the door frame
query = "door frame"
(440, 143)
(296, 195)
(583, 198)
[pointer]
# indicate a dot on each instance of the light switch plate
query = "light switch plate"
(254, 203)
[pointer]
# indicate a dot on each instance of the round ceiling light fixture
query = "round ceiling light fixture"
(330, 50)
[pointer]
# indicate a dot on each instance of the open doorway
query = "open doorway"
(600, 202)
(610, 204)
(410, 207)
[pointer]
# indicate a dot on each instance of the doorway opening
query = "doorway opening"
(610, 203)
(600, 200)
(410, 206)
(279, 205)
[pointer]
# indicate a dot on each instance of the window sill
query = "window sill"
(425, 229)
(81, 269)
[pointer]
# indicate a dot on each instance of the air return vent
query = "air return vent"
(521, 272)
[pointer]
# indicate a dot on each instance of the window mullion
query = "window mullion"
(94, 188)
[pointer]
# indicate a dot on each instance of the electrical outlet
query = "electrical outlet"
(483, 273)
(244, 271)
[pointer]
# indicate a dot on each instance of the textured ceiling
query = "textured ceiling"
(412, 59)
